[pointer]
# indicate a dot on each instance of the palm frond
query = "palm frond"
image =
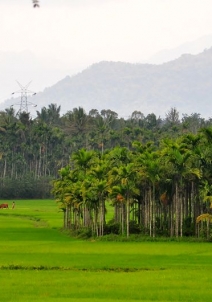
(204, 217)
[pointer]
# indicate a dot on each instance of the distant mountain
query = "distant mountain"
(25, 66)
(192, 47)
(184, 83)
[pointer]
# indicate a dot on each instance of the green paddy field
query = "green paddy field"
(40, 263)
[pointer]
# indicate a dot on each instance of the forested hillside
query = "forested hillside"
(184, 83)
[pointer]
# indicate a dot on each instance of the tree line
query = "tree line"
(156, 173)
(164, 190)
(32, 150)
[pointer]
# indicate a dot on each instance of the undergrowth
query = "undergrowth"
(141, 238)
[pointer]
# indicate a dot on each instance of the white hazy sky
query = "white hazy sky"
(73, 34)
(81, 32)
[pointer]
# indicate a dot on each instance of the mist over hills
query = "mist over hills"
(24, 66)
(184, 83)
(192, 47)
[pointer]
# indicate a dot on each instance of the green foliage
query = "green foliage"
(112, 227)
(81, 233)
(97, 158)
(188, 227)
(27, 187)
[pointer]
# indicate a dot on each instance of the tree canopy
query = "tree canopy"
(154, 173)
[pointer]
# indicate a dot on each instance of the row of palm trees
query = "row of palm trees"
(163, 190)
(32, 150)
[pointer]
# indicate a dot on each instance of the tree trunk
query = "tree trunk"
(153, 211)
(176, 211)
(128, 217)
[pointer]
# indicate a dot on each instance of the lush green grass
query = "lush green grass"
(40, 263)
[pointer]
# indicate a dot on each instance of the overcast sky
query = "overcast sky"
(74, 34)
(86, 31)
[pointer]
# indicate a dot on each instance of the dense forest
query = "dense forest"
(156, 173)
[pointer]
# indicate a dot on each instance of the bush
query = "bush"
(134, 227)
(83, 233)
(25, 188)
(112, 228)
(188, 227)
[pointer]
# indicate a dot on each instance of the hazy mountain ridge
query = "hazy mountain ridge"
(25, 66)
(184, 83)
(191, 47)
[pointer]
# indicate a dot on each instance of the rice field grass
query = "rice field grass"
(40, 263)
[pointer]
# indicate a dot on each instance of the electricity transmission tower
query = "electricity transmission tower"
(23, 105)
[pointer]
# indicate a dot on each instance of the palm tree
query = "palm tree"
(100, 186)
(59, 190)
(124, 177)
(50, 115)
(150, 170)
(83, 159)
(179, 159)
(76, 122)
(103, 123)
(205, 218)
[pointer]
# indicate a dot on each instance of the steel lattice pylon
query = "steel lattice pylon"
(24, 94)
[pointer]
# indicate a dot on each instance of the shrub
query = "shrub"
(83, 233)
(188, 227)
(112, 228)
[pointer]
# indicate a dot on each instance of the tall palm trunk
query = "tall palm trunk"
(171, 217)
(5, 168)
(128, 216)
(150, 212)
(122, 218)
(176, 210)
(153, 210)
(101, 217)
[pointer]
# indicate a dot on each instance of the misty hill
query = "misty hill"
(25, 66)
(192, 47)
(185, 83)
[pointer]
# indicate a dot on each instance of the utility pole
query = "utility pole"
(24, 94)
